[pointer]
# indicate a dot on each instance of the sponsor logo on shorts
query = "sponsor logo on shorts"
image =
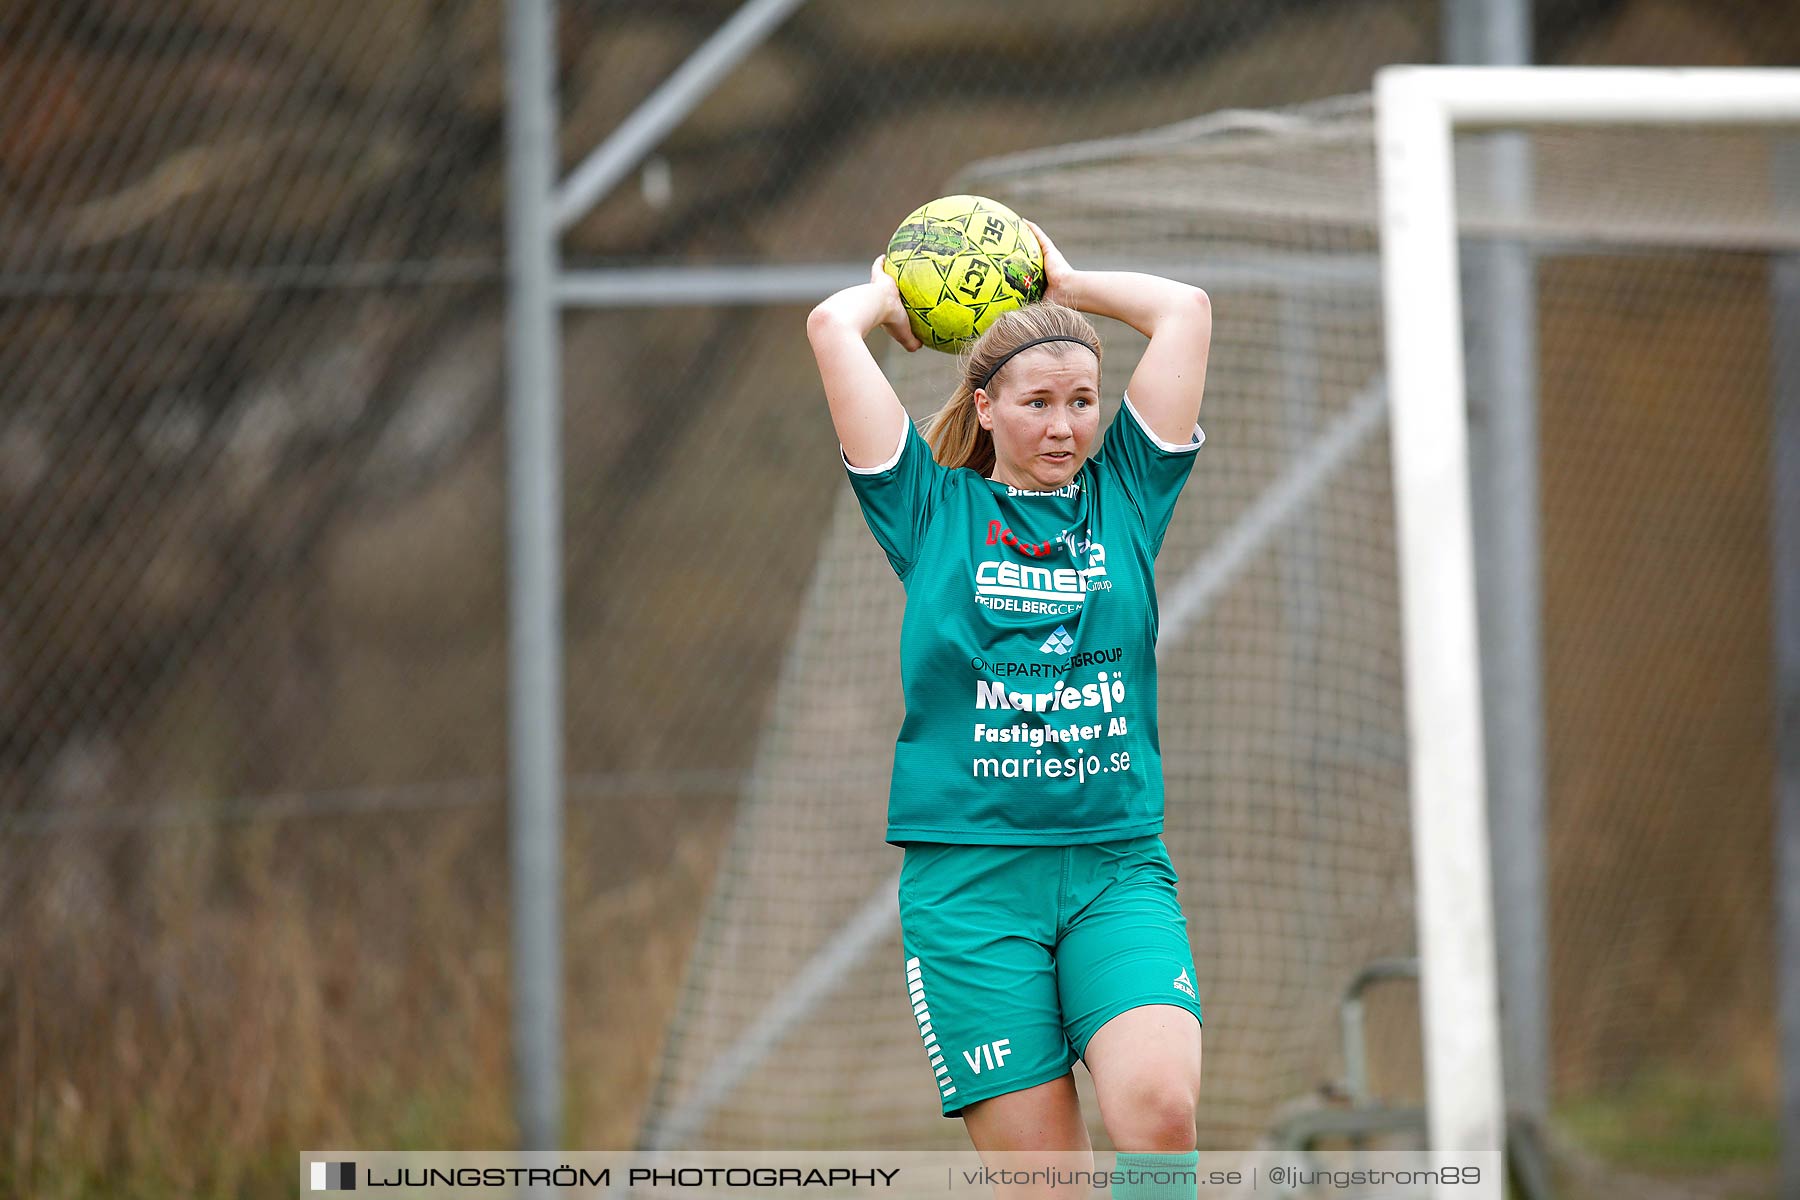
(1184, 984)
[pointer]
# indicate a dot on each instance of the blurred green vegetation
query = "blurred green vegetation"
(1670, 1121)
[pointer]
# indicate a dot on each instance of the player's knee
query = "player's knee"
(1155, 1113)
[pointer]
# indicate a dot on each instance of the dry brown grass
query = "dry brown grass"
(188, 1008)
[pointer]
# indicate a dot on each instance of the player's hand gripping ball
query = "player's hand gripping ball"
(960, 262)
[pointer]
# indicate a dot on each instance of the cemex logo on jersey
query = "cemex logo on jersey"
(1023, 588)
(1059, 643)
(1008, 586)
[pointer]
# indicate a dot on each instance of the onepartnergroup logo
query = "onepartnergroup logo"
(334, 1177)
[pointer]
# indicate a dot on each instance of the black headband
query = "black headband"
(1008, 356)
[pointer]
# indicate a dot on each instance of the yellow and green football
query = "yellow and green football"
(960, 262)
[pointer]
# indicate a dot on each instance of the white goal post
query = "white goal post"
(1417, 111)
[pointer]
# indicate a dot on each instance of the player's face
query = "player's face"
(1044, 413)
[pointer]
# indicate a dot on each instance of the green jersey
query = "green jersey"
(1028, 649)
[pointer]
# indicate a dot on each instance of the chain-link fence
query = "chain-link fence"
(252, 657)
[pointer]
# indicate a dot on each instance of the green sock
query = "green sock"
(1169, 1176)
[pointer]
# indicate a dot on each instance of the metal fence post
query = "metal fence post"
(534, 543)
(1500, 307)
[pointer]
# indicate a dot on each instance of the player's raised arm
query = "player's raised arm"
(868, 416)
(1167, 385)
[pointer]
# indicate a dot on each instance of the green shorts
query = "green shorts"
(1016, 955)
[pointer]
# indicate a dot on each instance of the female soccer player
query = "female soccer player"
(1038, 909)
